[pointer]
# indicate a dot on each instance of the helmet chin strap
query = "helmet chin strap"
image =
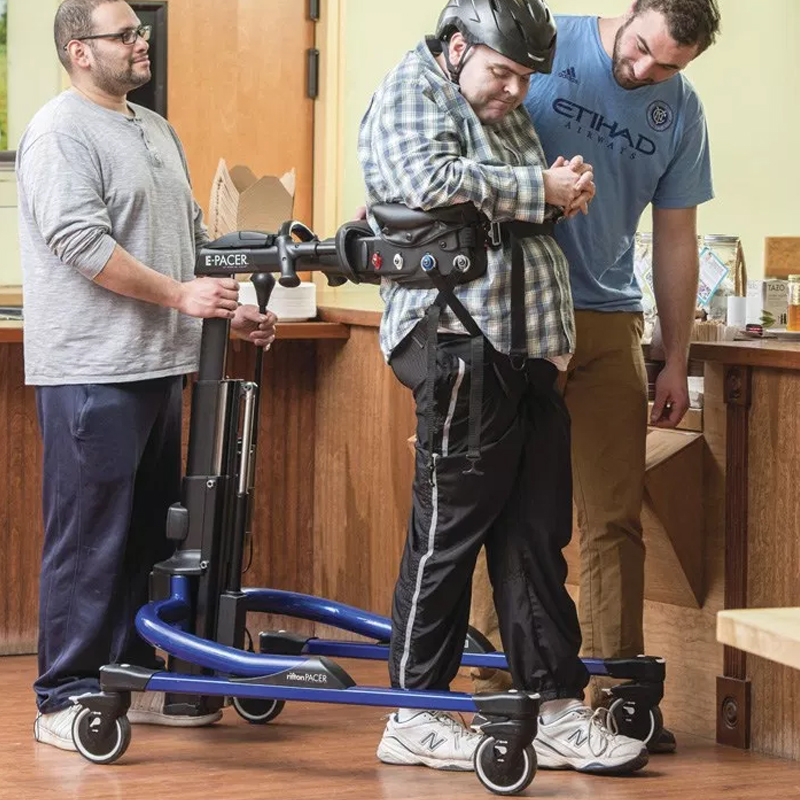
(455, 70)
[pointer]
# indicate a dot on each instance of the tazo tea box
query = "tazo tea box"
(767, 303)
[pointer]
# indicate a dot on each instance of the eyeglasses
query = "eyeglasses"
(128, 36)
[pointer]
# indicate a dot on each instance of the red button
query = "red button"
(377, 260)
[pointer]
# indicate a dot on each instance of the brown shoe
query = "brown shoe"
(490, 681)
(662, 742)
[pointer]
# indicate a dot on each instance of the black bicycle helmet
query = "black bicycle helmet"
(522, 30)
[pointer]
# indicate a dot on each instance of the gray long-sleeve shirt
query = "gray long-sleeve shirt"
(88, 179)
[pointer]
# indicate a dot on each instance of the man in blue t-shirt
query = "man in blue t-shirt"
(616, 96)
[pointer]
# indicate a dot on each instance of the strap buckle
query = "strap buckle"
(432, 459)
(518, 361)
(495, 235)
(474, 459)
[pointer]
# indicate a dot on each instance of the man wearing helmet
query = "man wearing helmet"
(616, 95)
(446, 127)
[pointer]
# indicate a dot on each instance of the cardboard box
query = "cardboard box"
(767, 303)
(781, 256)
(242, 202)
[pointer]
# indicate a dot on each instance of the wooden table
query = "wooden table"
(761, 393)
(772, 633)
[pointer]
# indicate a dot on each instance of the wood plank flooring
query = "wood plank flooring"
(322, 751)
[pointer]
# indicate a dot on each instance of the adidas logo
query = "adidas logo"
(569, 74)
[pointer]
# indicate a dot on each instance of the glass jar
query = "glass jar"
(722, 273)
(720, 253)
(793, 320)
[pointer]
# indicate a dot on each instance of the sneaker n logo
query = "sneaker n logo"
(432, 742)
(578, 737)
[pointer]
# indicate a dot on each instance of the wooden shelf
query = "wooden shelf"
(312, 330)
(11, 332)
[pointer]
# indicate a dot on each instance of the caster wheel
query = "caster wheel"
(497, 774)
(256, 711)
(100, 740)
(636, 722)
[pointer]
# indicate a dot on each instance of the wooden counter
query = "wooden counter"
(761, 394)
(11, 331)
(351, 305)
(285, 468)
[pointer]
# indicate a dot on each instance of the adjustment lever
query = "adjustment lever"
(264, 283)
(286, 250)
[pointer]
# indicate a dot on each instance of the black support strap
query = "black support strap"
(511, 233)
(519, 338)
(447, 298)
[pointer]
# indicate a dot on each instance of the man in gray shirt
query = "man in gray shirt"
(108, 231)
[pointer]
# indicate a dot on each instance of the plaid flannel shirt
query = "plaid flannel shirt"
(421, 144)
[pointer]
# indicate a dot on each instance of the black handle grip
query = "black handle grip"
(264, 283)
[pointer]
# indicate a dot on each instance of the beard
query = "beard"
(121, 80)
(623, 67)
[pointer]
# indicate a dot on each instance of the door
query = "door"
(237, 89)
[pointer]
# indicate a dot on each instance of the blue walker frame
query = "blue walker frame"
(159, 624)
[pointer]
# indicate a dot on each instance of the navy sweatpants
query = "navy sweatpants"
(112, 467)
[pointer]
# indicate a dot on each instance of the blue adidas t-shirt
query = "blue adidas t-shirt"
(646, 145)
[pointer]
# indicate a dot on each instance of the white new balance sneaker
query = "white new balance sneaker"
(431, 738)
(56, 728)
(587, 741)
(147, 708)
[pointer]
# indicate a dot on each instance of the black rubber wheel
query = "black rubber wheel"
(636, 722)
(499, 775)
(98, 742)
(257, 711)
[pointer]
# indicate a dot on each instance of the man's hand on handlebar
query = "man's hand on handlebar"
(252, 326)
(209, 297)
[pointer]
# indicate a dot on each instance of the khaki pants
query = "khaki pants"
(605, 391)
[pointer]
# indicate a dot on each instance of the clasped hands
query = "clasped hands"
(569, 185)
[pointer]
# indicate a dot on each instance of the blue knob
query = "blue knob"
(428, 262)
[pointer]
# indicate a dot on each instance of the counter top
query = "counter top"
(11, 331)
(325, 328)
(772, 633)
(350, 305)
(750, 353)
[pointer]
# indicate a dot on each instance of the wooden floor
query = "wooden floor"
(322, 751)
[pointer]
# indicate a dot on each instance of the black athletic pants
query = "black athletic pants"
(520, 507)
